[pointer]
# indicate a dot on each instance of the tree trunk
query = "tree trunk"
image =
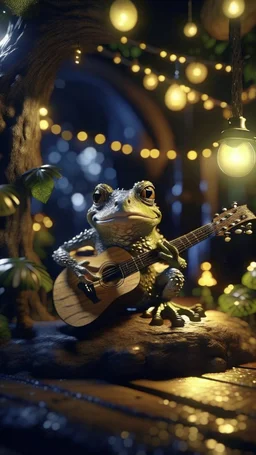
(38, 46)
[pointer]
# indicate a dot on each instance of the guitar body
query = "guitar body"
(78, 308)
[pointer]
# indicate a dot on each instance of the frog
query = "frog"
(130, 219)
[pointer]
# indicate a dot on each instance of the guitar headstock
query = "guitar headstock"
(237, 218)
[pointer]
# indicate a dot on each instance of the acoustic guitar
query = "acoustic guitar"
(116, 272)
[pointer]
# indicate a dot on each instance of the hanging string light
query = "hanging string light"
(150, 81)
(78, 53)
(190, 28)
(233, 8)
(175, 98)
(236, 154)
(123, 15)
(196, 72)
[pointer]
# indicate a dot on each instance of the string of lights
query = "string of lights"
(117, 146)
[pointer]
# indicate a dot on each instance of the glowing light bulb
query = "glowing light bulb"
(43, 111)
(44, 124)
(171, 154)
(192, 155)
(235, 157)
(123, 15)
(150, 81)
(208, 105)
(196, 72)
(190, 29)
(135, 68)
(233, 8)
(193, 97)
(175, 98)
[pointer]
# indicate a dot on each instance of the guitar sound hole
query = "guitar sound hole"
(111, 275)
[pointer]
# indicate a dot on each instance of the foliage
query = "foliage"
(249, 279)
(9, 200)
(20, 7)
(42, 240)
(5, 334)
(240, 302)
(22, 274)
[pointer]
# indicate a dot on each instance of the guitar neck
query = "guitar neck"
(181, 243)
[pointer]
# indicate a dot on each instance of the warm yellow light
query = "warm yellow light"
(206, 153)
(124, 40)
(227, 113)
(78, 51)
(228, 68)
(252, 93)
(154, 153)
(205, 266)
(67, 135)
(43, 111)
(171, 154)
(193, 97)
(144, 153)
(182, 59)
(36, 227)
(173, 57)
(135, 68)
(218, 66)
(117, 59)
(56, 129)
(204, 97)
(235, 157)
(82, 136)
(233, 8)
(127, 149)
(196, 72)
(175, 98)
(215, 144)
(208, 105)
(163, 54)
(190, 29)
(244, 96)
(47, 222)
(228, 289)
(143, 46)
(100, 139)
(150, 81)
(223, 104)
(44, 124)
(77, 62)
(99, 48)
(192, 155)
(186, 89)
(207, 279)
(161, 78)
(147, 71)
(123, 15)
(116, 146)
(39, 217)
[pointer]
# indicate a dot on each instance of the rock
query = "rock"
(132, 349)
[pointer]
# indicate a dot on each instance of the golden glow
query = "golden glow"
(67, 135)
(206, 153)
(39, 217)
(228, 289)
(43, 111)
(173, 57)
(44, 124)
(150, 81)
(144, 153)
(233, 8)
(135, 68)
(204, 97)
(82, 136)
(77, 62)
(208, 105)
(175, 98)
(161, 78)
(182, 59)
(193, 97)
(244, 96)
(116, 146)
(78, 51)
(147, 71)
(127, 149)
(123, 40)
(117, 59)
(163, 54)
(228, 68)
(123, 15)
(207, 279)
(100, 139)
(251, 267)
(205, 266)
(47, 222)
(192, 155)
(236, 158)
(154, 153)
(218, 66)
(252, 93)
(143, 46)
(196, 72)
(190, 29)
(185, 88)
(215, 144)
(36, 227)
(56, 129)
(223, 104)
(100, 48)
(171, 154)
(227, 113)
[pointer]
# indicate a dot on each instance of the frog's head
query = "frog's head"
(118, 214)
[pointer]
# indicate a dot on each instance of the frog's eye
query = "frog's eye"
(148, 194)
(101, 194)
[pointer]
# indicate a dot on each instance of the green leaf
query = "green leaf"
(135, 52)
(22, 274)
(220, 48)
(240, 302)
(40, 181)
(249, 280)
(9, 200)
(210, 43)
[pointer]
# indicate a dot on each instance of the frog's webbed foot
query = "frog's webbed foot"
(165, 310)
(194, 313)
(154, 313)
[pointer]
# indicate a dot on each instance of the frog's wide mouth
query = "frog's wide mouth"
(122, 217)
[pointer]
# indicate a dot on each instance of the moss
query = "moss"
(5, 333)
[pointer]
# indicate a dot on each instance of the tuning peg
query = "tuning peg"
(237, 221)
(227, 237)
(216, 214)
(249, 232)
(243, 217)
(238, 231)
(234, 204)
(224, 209)
(249, 225)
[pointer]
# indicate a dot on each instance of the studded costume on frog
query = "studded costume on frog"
(129, 219)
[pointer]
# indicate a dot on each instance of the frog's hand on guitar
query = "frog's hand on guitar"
(80, 303)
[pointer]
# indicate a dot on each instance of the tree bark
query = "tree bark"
(38, 46)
